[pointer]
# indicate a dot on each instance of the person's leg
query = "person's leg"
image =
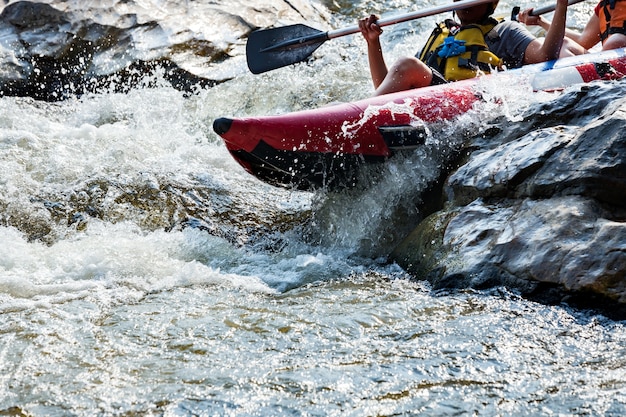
(568, 48)
(406, 73)
(614, 41)
(571, 48)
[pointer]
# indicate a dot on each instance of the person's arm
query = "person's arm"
(550, 48)
(588, 38)
(371, 32)
(526, 18)
(590, 35)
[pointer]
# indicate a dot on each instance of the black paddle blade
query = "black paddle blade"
(269, 49)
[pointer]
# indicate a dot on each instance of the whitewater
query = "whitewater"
(144, 272)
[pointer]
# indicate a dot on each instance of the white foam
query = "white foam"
(109, 258)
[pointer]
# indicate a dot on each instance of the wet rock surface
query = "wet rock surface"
(543, 213)
(50, 51)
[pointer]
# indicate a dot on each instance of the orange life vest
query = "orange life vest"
(612, 14)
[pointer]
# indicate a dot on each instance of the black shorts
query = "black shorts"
(437, 78)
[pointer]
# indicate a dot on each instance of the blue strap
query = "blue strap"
(451, 47)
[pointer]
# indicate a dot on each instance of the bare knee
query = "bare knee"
(571, 48)
(412, 71)
(616, 40)
(409, 66)
(406, 73)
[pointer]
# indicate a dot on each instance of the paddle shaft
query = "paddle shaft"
(274, 48)
(392, 20)
(541, 10)
(551, 8)
(436, 10)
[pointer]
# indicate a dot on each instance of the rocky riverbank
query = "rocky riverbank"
(542, 212)
(51, 50)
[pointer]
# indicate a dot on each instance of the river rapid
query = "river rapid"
(143, 272)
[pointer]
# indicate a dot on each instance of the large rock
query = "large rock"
(50, 49)
(544, 214)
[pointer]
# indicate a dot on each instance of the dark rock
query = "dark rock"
(594, 165)
(52, 52)
(543, 214)
(28, 15)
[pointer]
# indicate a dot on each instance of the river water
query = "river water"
(143, 272)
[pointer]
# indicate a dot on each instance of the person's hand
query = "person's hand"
(527, 19)
(370, 29)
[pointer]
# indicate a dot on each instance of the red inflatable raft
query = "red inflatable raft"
(324, 148)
